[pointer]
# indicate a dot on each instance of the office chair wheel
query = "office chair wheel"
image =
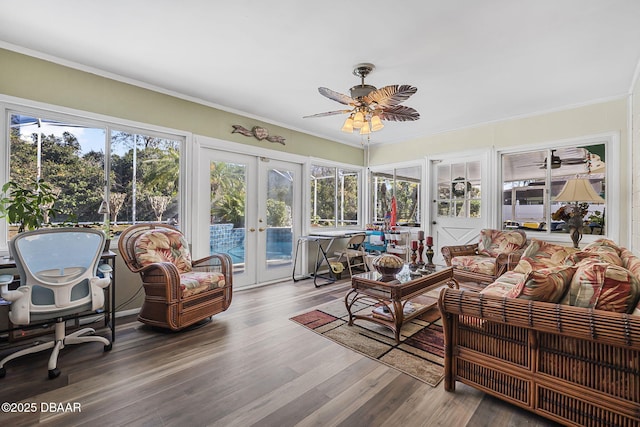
(108, 347)
(3, 372)
(54, 373)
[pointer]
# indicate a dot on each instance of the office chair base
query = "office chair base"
(60, 342)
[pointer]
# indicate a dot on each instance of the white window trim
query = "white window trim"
(613, 180)
(10, 103)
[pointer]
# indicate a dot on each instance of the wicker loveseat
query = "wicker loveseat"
(179, 291)
(495, 252)
(572, 360)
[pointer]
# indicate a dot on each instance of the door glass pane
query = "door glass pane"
(280, 192)
(228, 183)
(459, 190)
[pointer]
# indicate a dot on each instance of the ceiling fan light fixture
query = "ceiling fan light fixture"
(348, 125)
(376, 123)
(369, 106)
(365, 129)
(358, 120)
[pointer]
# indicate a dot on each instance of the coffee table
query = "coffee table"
(399, 300)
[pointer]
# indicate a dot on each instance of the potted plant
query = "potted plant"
(30, 208)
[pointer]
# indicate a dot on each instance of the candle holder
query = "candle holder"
(429, 254)
(420, 250)
(413, 266)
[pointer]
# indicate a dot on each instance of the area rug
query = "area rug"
(419, 354)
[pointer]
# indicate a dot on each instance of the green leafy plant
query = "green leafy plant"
(30, 208)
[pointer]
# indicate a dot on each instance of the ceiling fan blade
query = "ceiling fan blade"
(391, 95)
(399, 113)
(328, 113)
(336, 96)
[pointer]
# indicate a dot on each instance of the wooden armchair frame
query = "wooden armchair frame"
(164, 306)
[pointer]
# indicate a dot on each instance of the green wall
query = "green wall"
(35, 79)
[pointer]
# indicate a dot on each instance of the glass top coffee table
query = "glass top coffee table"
(398, 300)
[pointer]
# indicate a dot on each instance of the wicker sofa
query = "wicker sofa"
(571, 359)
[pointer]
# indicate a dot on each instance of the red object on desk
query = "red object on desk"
(429, 241)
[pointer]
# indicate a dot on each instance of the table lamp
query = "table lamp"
(577, 190)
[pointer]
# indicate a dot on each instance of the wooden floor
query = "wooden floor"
(250, 366)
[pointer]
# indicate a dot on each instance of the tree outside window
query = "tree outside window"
(334, 196)
(142, 183)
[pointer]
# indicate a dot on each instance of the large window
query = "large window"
(334, 196)
(403, 184)
(534, 180)
(135, 172)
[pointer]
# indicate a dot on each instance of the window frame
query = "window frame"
(423, 205)
(358, 170)
(611, 142)
(10, 106)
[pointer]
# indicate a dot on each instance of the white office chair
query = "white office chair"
(58, 279)
(354, 253)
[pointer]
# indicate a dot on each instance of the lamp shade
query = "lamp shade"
(365, 130)
(578, 190)
(358, 120)
(348, 125)
(376, 123)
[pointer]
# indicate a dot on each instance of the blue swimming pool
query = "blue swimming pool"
(226, 239)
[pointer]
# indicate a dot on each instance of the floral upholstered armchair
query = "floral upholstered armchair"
(178, 290)
(496, 252)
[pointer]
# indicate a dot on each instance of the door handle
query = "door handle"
(261, 229)
(252, 229)
(433, 222)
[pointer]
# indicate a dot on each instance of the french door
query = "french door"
(459, 202)
(252, 211)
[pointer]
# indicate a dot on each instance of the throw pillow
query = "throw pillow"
(597, 255)
(548, 284)
(603, 286)
(603, 245)
(163, 245)
(541, 254)
(495, 242)
(504, 284)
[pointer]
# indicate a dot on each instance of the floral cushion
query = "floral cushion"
(475, 263)
(630, 262)
(504, 285)
(163, 245)
(540, 254)
(603, 245)
(195, 282)
(608, 256)
(603, 286)
(548, 284)
(495, 242)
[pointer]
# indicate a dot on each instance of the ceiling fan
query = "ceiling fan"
(370, 105)
(557, 162)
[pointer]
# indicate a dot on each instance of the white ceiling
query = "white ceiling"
(472, 61)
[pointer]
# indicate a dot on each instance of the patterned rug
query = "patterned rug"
(419, 354)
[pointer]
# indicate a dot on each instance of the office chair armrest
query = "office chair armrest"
(5, 281)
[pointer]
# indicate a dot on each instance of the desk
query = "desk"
(108, 257)
(317, 238)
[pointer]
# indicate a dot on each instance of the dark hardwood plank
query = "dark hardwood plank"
(250, 365)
